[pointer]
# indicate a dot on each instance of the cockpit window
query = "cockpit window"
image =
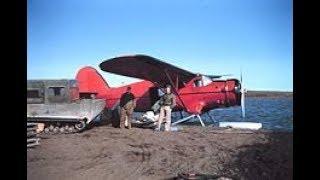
(198, 83)
(203, 81)
(206, 80)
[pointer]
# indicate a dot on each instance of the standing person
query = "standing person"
(127, 105)
(167, 103)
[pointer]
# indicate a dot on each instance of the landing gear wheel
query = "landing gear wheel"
(62, 130)
(55, 130)
(51, 127)
(80, 125)
(46, 130)
(70, 129)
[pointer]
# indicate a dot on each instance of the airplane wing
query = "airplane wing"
(147, 68)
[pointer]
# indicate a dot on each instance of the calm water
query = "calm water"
(273, 113)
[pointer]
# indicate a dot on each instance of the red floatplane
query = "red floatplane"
(196, 93)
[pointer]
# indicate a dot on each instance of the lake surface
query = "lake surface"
(273, 113)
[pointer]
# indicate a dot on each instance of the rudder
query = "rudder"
(91, 82)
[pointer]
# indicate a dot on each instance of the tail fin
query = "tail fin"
(90, 81)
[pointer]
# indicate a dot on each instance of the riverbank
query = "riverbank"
(111, 153)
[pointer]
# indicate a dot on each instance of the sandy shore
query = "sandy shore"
(110, 153)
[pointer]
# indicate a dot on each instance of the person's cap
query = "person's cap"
(168, 86)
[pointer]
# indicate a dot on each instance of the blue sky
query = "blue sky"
(205, 36)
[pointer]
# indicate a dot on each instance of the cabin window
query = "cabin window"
(203, 81)
(33, 93)
(206, 80)
(198, 83)
(57, 91)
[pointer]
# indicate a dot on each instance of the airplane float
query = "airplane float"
(195, 93)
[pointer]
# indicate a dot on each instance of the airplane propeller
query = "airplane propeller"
(243, 91)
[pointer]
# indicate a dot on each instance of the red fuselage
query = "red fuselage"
(197, 96)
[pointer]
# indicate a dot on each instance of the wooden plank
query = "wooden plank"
(31, 134)
(32, 129)
(33, 140)
(33, 144)
(32, 124)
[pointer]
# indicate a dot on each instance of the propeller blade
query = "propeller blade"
(241, 77)
(243, 108)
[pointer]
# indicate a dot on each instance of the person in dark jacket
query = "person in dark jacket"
(127, 105)
(167, 103)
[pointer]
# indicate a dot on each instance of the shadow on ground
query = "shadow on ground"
(269, 160)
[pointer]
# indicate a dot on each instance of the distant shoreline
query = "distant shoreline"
(251, 93)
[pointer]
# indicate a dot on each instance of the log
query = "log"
(31, 129)
(31, 134)
(32, 124)
(33, 144)
(33, 140)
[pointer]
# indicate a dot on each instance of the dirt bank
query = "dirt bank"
(109, 153)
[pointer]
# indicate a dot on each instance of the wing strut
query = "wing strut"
(177, 81)
(174, 88)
